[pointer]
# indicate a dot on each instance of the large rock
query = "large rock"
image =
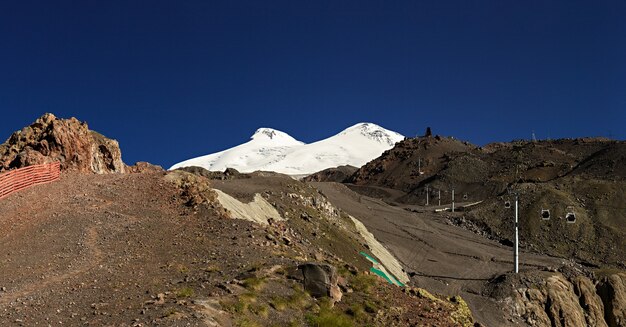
(69, 141)
(590, 301)
(562, 303)
(612, 290)
(320, 280)
(558, 301)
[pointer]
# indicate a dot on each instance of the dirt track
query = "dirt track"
(442, 257)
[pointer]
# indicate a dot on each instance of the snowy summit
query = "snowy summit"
(273, 150)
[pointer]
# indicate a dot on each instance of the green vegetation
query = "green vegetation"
(254, 283)
(362, 282)
(185, 292)
(169, 312)
(463, 315)
(297, 301)
(279, 303)
(245, 322)
(370, 307)
(328, 317)
(260, 310)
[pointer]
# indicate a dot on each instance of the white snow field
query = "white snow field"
(273, 150)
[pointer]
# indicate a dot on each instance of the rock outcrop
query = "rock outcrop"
(612, 290)
(69, 141)
(558, 301)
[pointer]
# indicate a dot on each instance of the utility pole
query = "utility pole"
(419, 166)
(427, 191)
(453, 199)
(439, 191)
(516, 236)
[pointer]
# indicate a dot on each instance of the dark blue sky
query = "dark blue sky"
(172, 80)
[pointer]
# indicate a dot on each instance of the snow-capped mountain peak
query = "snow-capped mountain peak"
(272, 150)
(275, 136)
(374, 132)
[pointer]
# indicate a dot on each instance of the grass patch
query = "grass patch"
(297, 301)
(240, 305)
(254, 283)
(260, 310)
(363, 282)
(328, 317)
(278, 303)
(185, 292)
(234, 306)
(169, 312)
(245, 322)
(212, 268)
(370, 307)
(356, 311)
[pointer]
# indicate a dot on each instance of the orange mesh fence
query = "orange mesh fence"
(19, 179)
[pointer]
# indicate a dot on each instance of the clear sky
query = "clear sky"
(172, 80)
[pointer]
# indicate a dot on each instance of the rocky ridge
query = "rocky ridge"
(66, 140)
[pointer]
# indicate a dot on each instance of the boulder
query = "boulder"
(68, 141)
(320, 280)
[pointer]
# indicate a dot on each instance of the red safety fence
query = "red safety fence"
(19, 179)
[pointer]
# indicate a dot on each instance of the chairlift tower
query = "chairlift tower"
(516, 235)
(439, 191)
(453, 199)
(507, 205)
(419, 166)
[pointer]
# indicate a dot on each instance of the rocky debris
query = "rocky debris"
(320, 280)
(195, 189)
(338, 174)
(144, 167)
(228, 174)
(69, 141)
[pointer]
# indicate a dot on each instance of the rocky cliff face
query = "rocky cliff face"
(69, 141)
(559, 301)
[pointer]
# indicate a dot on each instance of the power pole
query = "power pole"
(453, 199)
(427, 194)
(419, 166)
(439, 191)
(516, 236)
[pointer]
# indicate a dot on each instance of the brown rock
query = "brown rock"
(590, 302)
(612, 290)
(562, 303)
(69, 141)
(320, 280)
(144, 167)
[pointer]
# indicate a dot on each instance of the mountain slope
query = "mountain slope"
(273, 150)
